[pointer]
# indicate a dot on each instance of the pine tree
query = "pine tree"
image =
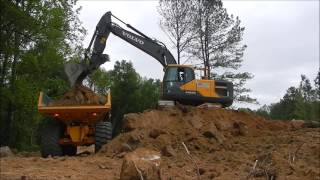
(176, 22)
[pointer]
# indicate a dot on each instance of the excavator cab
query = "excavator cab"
(175, 76)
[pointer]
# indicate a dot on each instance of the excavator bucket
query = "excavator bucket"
(76, 73)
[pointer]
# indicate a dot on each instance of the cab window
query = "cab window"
(171, 74)
(179, 74)
(189, 74)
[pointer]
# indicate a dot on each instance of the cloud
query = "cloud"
(283, 43)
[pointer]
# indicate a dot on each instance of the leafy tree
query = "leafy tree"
(306, 89)
(123, 88)
(100, 81)
(148, 94)
(289, 107)
(315, 104)
(37, 37)
(264, 111)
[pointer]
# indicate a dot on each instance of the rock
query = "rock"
(126, 147)
(296, 124)
(101, 166)
(195, 121)
(129, 123)
(211, 131)
(202, 171)
(209, 134)
(154, 133)
(141, 162)
(168, 151)
(5, 151)
(223, 125)
(173, 114)
(121, 155)
(134, 139)
(239, 129)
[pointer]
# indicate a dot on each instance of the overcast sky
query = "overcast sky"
(282, 39)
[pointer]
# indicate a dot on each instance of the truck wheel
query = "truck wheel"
(50, 135)
(103, 134)
(69, 150)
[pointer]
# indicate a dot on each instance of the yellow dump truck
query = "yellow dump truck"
(69, 126)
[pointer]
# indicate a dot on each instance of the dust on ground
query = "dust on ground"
(223, 144)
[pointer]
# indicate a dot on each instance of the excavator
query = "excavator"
(179, 83)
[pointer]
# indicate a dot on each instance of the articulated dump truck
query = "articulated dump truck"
(71, 125)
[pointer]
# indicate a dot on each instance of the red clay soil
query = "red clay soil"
(223, 144)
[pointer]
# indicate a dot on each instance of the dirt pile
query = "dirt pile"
(222, 143)
(193, 143)
(80, 95)
(204, 130)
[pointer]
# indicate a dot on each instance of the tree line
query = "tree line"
(301, 102)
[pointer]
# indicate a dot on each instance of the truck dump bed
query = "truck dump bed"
(80, 113)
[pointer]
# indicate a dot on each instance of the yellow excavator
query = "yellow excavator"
(179, 83)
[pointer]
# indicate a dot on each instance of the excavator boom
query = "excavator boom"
(78, 72)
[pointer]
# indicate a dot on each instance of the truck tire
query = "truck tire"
(50, 135)
(69, 150)
(103, 134)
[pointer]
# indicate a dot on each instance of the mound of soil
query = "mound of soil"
(79, 95)
(222, 143)
(204, 130)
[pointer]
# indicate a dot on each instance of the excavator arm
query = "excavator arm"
(77, 72)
